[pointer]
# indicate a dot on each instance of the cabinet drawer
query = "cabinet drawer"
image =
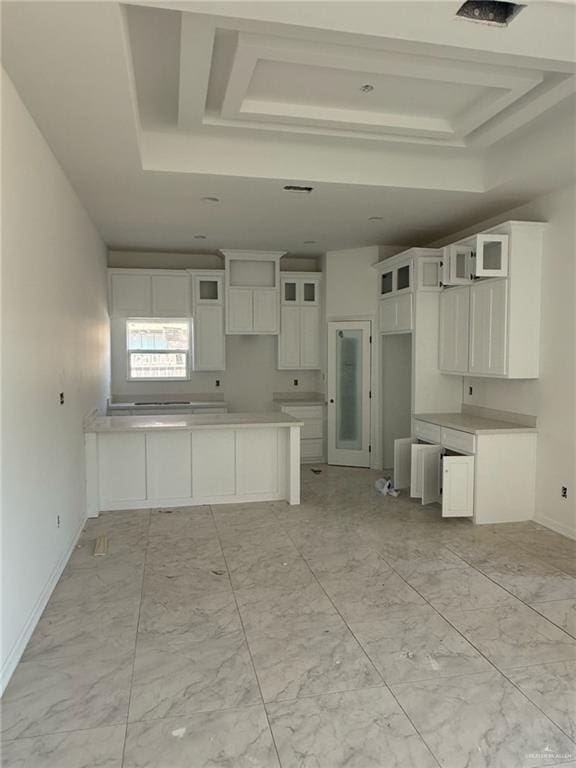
(311, 449)
(426, 431)
(458, 441)
(312, 429)
(304, 412)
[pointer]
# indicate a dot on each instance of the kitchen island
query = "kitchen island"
(137, 462)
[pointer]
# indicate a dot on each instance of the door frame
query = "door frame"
(343, 456)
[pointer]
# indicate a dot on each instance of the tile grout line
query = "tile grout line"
(445, 619)
(123, 757)
(385, 684)
(263, 703)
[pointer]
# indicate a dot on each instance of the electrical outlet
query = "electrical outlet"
(57, 521)
(564, 492)
(61, 398)
(295, 382)
(470, 390)
(217, 382)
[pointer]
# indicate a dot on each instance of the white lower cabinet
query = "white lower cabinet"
(312, 433)
(168, 465)
(489, 476)
(457, 486)
(214, 464)
(257, 464)
(122, 468)
(434, 476)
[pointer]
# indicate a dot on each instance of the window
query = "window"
(158, 349)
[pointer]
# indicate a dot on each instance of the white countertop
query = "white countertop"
(190, 422)
(477, 425)
(169, 404)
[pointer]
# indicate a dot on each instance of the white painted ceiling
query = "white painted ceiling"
(151, 106)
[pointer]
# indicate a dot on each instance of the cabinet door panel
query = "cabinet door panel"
(122, 467)
(209, 340)
(213, 463)
(309, 337)
(404, 312)
(454, 330)
(488, 329)
(131, 295)
(309, 292)
(168, 468)
(416, 468)
(289, 290)
(431, 458)
(402, 461)
(265, 311)
(239, 318)
(458, 267)
(170, 295)
(491, 256)
(289, 338)
(387, 315)
(257, 462)
(458, 486)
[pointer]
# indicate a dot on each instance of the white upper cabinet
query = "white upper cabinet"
(457, 265)
(300, 321)
(208, 316)
(503, 316)
(454, 330)
(252, 292)
(480, 256)
(171, 295)
(130, 293)
(400, 278)
(488, 328)
(149, 293)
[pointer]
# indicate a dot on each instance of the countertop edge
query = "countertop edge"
(508, 429)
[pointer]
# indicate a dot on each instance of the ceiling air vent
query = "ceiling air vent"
(490, 11)
(298, 190)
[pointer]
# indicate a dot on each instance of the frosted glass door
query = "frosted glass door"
(348, 394)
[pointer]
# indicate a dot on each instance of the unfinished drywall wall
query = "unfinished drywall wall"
(54, 339)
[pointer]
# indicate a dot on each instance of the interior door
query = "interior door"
(349, 393)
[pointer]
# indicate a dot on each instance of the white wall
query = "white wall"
(54, 338)
(247, 384)
(551, 397)
(395, 391)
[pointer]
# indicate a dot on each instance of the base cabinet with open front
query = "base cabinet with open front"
(487, 474)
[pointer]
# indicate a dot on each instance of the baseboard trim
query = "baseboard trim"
(19, 646)
(553, 525)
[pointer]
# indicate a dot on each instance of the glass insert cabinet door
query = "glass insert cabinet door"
(349, 393)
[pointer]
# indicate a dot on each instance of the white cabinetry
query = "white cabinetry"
(312, 433)
(488, 476)
(149, 293)
(488, 328)
(454, 330)
(300, 322)
(208, 314)
(396, 314)
(252, 292)
(503, 317)
(484, 255)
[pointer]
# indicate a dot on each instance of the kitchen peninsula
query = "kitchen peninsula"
(187, 460)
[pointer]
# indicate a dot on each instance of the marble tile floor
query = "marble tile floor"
(353, 631)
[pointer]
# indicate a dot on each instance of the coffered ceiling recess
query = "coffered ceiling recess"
(227, 73)
(405, 121)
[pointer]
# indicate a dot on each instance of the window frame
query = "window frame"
(187, 352)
